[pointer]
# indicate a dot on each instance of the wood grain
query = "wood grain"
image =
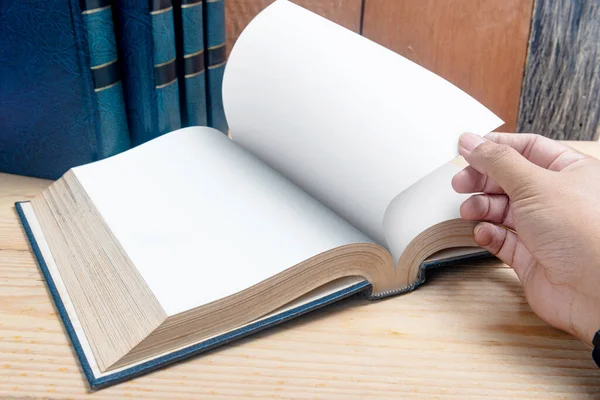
(561, 87)
(238, 13)
(478, 45)
(468, 332)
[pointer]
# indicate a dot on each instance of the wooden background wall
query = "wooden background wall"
(561, 86)
(535, 63)
(240, 12)
(455, 39)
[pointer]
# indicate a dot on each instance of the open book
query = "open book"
(336, 180)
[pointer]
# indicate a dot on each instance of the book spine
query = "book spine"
(194, 76)
(134, 39)
(165, 66)
(104, 63)
(215, 59)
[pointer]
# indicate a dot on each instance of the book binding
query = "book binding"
(106, 76)
(216, 55)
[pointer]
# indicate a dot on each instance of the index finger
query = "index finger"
(540, 150)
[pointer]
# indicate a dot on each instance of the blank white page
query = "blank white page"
(345, 118)
(202, 219)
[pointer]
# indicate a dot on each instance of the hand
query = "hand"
(539, 203)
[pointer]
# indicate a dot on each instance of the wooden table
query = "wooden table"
(467, 332)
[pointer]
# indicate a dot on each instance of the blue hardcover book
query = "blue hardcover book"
(146, 42)
(99, 29)
(136, 51)
(61, 101)
(193, 240)
(165, 66)
(215, 59)
(190, 33)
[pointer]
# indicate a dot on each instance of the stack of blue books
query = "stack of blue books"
(82, 80)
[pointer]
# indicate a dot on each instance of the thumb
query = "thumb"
(500, 162)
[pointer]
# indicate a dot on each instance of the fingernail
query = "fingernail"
(481, 237)
(468, 141)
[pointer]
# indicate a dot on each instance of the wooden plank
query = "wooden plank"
(561, 88)
(239, 13)
(478, 45)
(468, 332)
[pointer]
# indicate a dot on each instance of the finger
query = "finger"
(470, 181)
(507, 167)
(491, 208)
(505, 245)
(540, 150)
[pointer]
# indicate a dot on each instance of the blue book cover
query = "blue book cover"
(190, 32)
(99, 29)
(216, 55)
(146, 42)
(136, 52)
(52, 117)
(165, 66)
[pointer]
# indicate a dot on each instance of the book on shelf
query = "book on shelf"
(99, 33)
(103, 77)
(336, 180)
(215, 60)
(192, 72)
(62, 101)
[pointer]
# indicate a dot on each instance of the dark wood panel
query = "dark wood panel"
(239, 13)
(561, 87)
(478, 45)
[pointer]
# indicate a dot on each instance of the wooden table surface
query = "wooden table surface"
(468, 332)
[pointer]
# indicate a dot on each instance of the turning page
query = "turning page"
(428, 202)
(349, 121)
